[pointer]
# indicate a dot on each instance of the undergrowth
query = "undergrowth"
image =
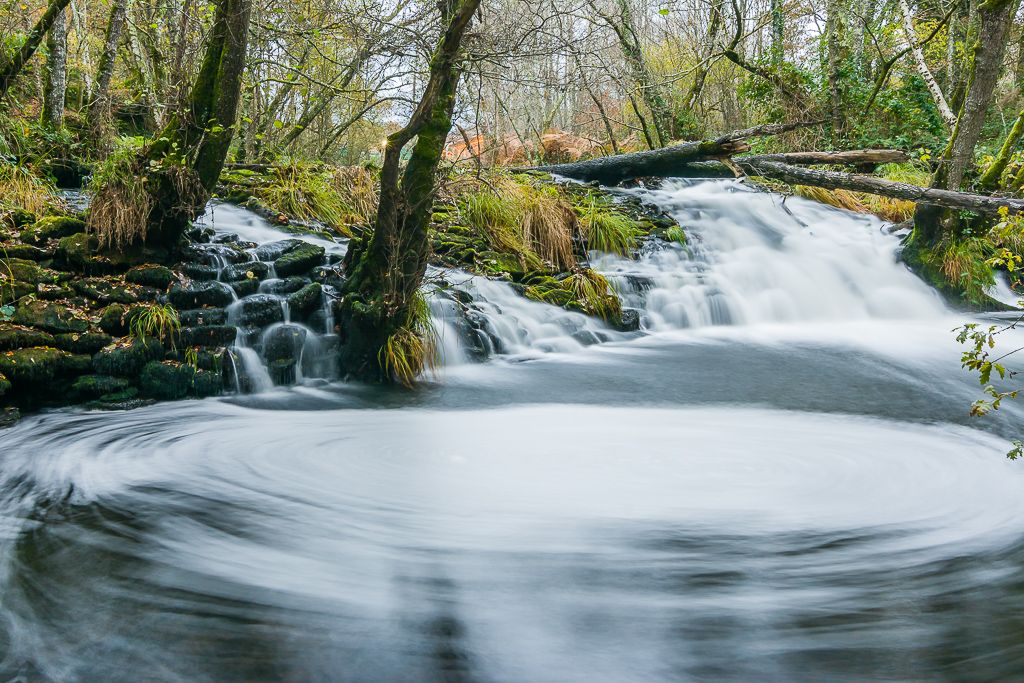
(21, 189)
(160, 322)
(121, 207)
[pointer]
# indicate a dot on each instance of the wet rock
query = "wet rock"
(95, 386)
(52, 227)
(51, 317)
(200, 234)
(78, 252)
(54, 292)
(126, 357)
(203, 316)
(331, 277)
(258, 310)
(112, 320)
(284, 342)
(123, 400)
(9, 417)
(207, 383)
(167, 380)
(4, 384)
(199, 271)
(19, 218)
(151, 275)
(19, 337)
(76, 363)
(244, 288)
(299, 260)
(200, 294)
(23, 270)
(275, 250)
(246, 271)
(225, 239)
(306, 300)
(288, 285)
(26, 251)
(113, 292)
(208, 335)
(31, 366)
(283, 372)
(88, 342)
(630, 320)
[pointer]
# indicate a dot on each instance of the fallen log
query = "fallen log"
(856, 157)
(837, 180)
(663, 162)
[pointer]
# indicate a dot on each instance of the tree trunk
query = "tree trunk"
(99, 109)
(835, 94)
(990, 178)
(9, 70)
(199, 137)
(378, 306)
(662, 162)
(56, 85)
(922, 67)
(994, 18)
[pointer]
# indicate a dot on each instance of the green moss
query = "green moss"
(78, 252)
(109, 290)
(306, 300)
(300, 259)
(95, 386)
(150, 275)
(19, 337)
(112, 320)
(50, 316)
(4, 384)
(88, 342)
(31, 366)
(167, 380)
(52, 227)
(126, 357)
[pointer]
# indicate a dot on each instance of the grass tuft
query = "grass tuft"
(155, 321)
(20, 189)
(413, 348)
(121, 207)
(606, 229)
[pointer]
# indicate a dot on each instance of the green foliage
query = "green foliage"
(22, 189)
(412, 348)
(978, 357)
(160, 322)
(964, 264)
(606, 229)
(585, 290)
(121, 206)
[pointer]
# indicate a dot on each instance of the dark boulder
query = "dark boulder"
(244, 288)
(52, 227)
(203, 316)
(126, 357)
(34, 366)
(87, 342)
(208, 335)
(167, 380)
(288, 285)
(151, 275)
(51, 317)
(113, 292)
(112, 320)
(630, 320)
(301, 259)
(95, 386)
(246, 271)
(258, 310)
(305, 301)
(275, 250)
(200, 294)
(19, 337)
(199, 271)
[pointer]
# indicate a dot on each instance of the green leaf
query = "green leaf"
(279, 124)
(664, 11)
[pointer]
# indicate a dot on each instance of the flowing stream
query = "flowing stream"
(775, 479)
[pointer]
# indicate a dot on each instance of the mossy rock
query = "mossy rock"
(246, 271)
(299, 260)
(78, 252)
(18, 218)
(199, 295)
(112, 291)
(126, 357)
(26, 251)
(112, 320)
(208, 335)
(76, 363)
(50, 316)
(207, 383)
(306, 300)
(52, 227)
(122, 400)
(36, 365)
(9, 416)
(198, 317)
(151, 275)
(87, 342)
(20, 337)
(54, 292)
(4, 384)
(244, 288)
(167, 380)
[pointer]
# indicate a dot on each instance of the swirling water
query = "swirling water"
(776, 482)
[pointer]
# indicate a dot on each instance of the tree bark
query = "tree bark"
(662, 162)
(199, 137)
(990, 178)
(387, 270)
(56, 85)
(922, 66)
(99, 109)
(9, 70)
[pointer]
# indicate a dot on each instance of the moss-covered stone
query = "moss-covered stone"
(50, 316)
(150, 275)
(203, 316)
(52, 227)
(246, 271)
(54, 292)
(9, 416)
(207, 383)
(78, 252)
(306, 300)
(208, 335)
(126, 357)
(167, 380)
(244, 288)
(26, 251)
(110, 291)
(122, 400)
(4, 384)
(95, 386)
(87, 342)
(31, 366)
(199, 295)
(20, 337)
(112, 320)
(300, 259)
(76, 363)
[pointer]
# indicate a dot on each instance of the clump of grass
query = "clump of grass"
(963, 264)
(306, 193)
(21, 189)
(413, 348)
(357, 187)
(534, 222)
(894, 210)
(593, 295)
(155, 321)
(607, 229)
(121, 207)
(676, 234)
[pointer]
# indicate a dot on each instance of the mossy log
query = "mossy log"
(664, 162)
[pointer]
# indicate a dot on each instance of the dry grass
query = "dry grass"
(19, 188)
(121, 207)
(894, 210)
(413, 348)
